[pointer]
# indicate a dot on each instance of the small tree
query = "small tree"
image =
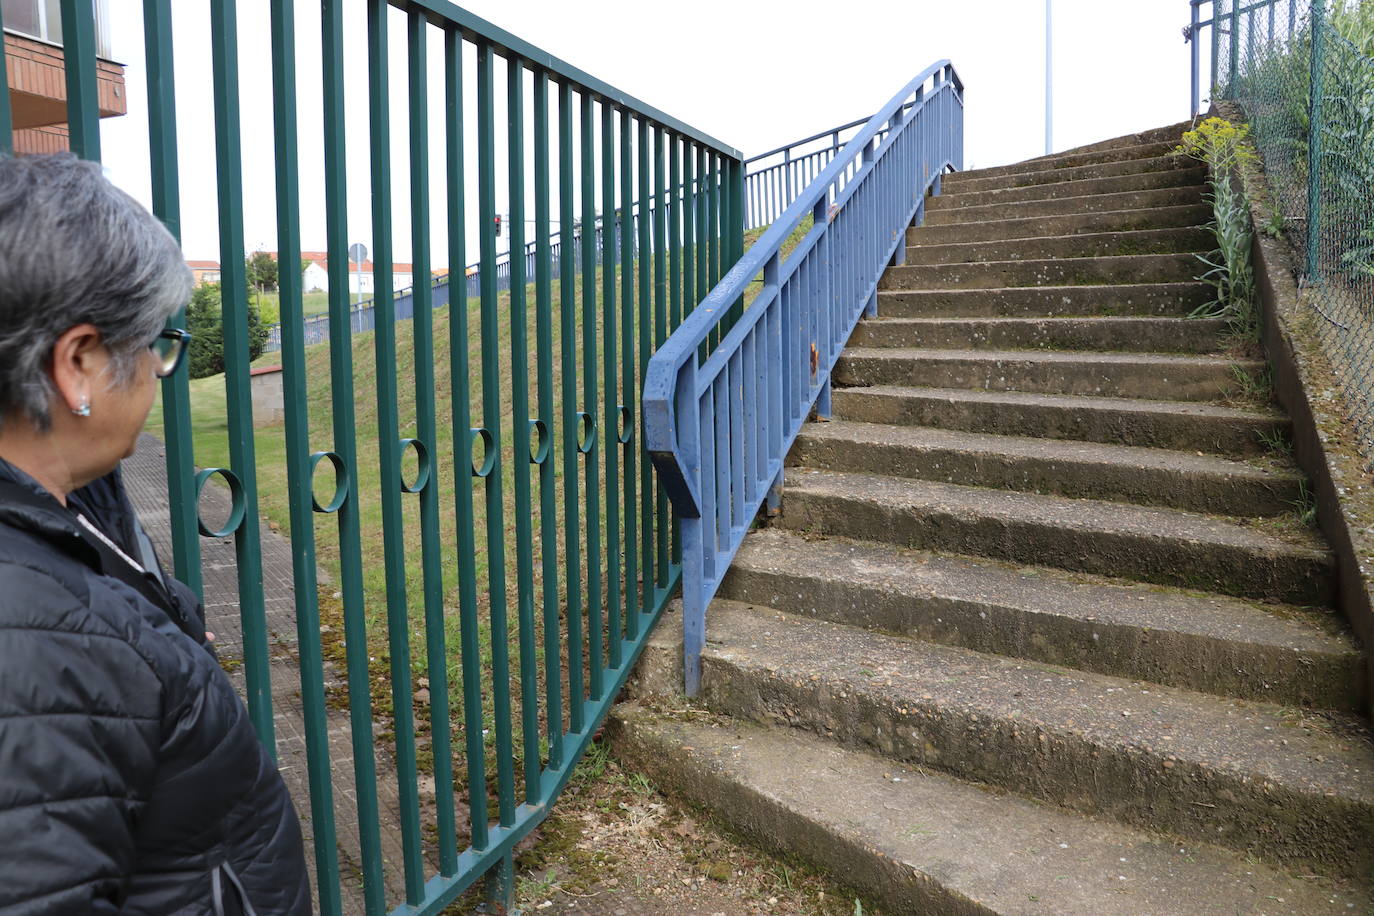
(204, 321)
(261, 270)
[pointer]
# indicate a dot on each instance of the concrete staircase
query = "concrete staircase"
(1038, 629)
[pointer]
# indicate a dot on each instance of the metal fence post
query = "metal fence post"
(1196, 56)
(1314, 142)
(1235, 42)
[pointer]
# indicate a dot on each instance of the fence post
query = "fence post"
(1196, 56)
(1235, 43)
(1314, 142)
(1216, 49)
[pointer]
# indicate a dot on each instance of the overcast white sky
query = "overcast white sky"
(755, 75)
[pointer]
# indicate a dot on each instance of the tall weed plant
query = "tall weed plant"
(1230, 271)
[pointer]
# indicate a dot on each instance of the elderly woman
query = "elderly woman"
(130, 777)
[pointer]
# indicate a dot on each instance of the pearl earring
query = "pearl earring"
(83, 409)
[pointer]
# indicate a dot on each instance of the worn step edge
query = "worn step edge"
(1179, 216)
(1184, 240)
(924, 843)
(955, 196)
(1168, 299)
(1291, 789)
(1145, 544)
(1202, 642)
(1080, 470)
(1066, 160)
(1141, 375)
(1087, 271)
(960, 182)
(1140, 334)
(1091, 203)
(1152, 424)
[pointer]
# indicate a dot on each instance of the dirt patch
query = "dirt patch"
(615, 846)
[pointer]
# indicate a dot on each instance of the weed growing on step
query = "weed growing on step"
(1223, 146)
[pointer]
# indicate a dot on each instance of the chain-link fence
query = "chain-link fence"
(1302, 72)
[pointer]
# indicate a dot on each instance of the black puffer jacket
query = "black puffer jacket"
(131, 780)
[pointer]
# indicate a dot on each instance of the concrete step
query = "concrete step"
(1083, 470)
(1125, 375)
(1135, 268)
(1061, 206)
(1203, 642)
(1084, 245)
(1150, 335)
(1124, 421)
(1187, 215)
(1144, 544)
(1073, 159)
(1176, 299)
(1169, 134)
(1262, 779)
(963, 182)
(956, 195)
(920, 842)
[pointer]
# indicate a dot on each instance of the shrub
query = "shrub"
(204, 321)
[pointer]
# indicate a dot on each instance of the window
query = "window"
(42, 19)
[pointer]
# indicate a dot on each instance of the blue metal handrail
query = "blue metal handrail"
(718, 422)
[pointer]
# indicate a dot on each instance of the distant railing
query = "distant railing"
(772, 180)
(720, 417)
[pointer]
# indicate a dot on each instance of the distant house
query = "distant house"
(204, 271)
(316, 276)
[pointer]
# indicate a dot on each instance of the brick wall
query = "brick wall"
(38, 90)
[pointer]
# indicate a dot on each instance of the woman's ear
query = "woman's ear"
(78, 359)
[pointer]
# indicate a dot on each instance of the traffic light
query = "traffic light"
(498, 226)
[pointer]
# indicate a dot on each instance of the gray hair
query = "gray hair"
(76, 249)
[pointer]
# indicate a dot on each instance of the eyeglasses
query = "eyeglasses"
(170, 349)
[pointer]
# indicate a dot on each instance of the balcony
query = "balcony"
(37, 73)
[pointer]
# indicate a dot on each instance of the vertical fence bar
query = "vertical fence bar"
(298, 464)
(674, 232)
(345, 445)
(1314, 142)
(389, 449)
(628, 378)
(422, 326)
(660, 332)
(491, 421)
(587, 161)
(690, 295)
(548, 527)
(83, 99)
(7, 121)
(1216, 48)
(248, 555)
(645, 328)
(611, 410)
(176, 409)
(463, 440)
(520, 427)
(571, 419)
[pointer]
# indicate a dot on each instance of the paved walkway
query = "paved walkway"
(146, 478)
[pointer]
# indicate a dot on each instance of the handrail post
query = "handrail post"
(687, 420)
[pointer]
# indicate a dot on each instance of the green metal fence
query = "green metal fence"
(1303, 74)
(512, 498)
